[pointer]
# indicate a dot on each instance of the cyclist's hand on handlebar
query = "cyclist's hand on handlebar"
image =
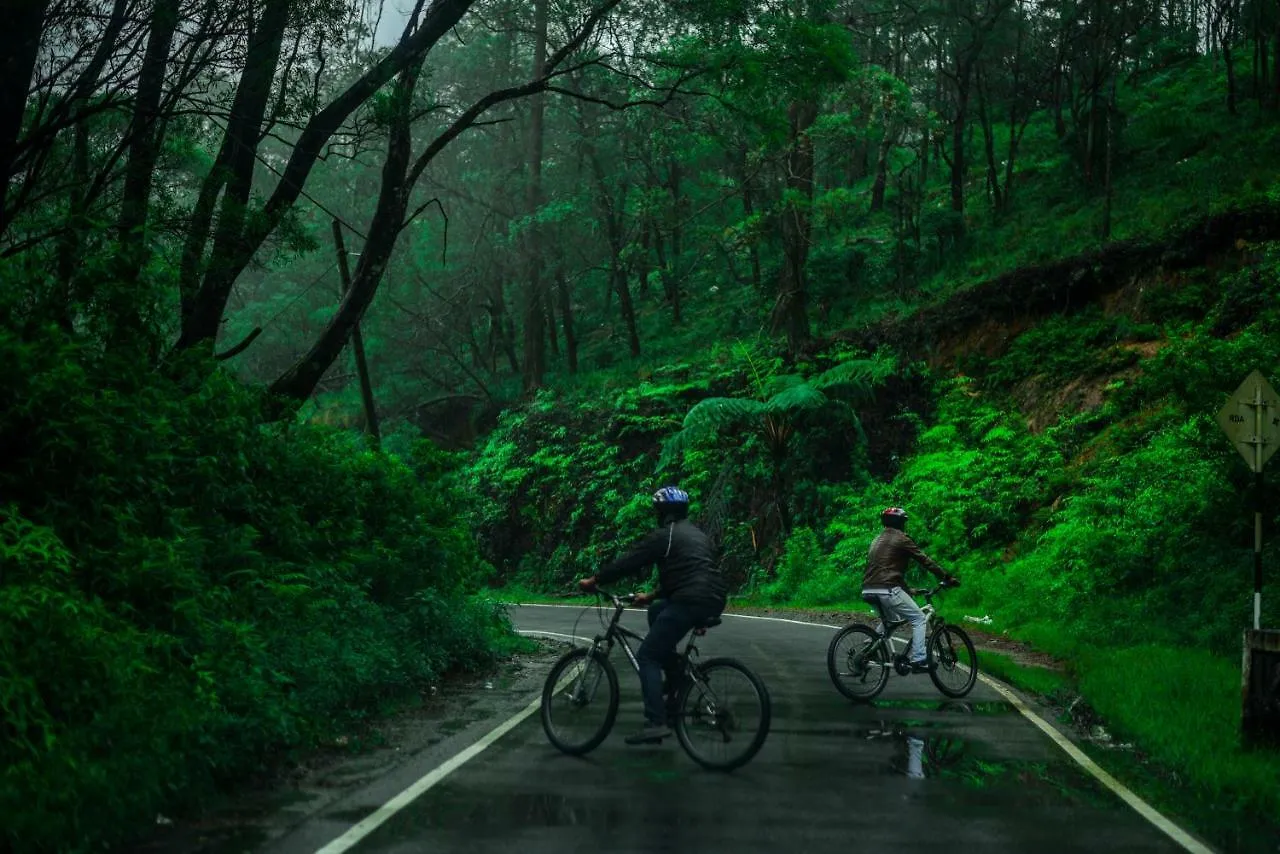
(950, 581)
(642, 598)
(588, 584)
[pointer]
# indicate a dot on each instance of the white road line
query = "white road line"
(372, 822)
(1122, 791)
(1143, 808)
(553, 634)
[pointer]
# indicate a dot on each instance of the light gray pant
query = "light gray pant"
(895, 604)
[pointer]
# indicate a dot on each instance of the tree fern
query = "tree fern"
(781, 395)
(707, 418)
(859, 375)
(802, 396)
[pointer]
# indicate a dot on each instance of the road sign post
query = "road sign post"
(1251, 420)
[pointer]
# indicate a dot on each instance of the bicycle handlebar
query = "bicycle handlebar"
(622, 600)
(934, 591)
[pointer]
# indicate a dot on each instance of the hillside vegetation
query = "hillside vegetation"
(318, 326)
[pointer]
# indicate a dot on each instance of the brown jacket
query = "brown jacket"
(887, 560)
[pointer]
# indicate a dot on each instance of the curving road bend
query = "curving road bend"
(911, 772)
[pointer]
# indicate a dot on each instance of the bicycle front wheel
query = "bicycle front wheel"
(724, 715)
(955, 662)
(857, 662)
(580, 701)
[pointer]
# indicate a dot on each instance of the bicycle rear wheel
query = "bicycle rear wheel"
(579, 701)
(955, 662)
(857, 662)
(724, 714)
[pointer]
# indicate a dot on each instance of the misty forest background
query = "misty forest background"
(324, 322)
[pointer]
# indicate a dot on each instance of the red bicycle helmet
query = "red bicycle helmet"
(893, 517)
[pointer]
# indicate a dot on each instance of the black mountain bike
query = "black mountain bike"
(860, 658)
(722, 709)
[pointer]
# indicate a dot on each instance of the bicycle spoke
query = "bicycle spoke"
(955, 662)
(579, 702)
(724, 717)
(858, 663)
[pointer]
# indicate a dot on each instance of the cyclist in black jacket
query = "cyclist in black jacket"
(690, 592)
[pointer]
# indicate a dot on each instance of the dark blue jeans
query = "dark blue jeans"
(668, 622)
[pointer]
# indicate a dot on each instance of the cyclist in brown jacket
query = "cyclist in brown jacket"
(884, 585)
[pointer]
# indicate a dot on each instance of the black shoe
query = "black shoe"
(651, 734)
(921, 666)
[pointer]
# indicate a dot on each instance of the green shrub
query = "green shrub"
(186, 591)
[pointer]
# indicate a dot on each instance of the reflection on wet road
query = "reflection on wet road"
(911, 771)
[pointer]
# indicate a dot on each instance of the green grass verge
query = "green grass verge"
(1034, 680)
(1182, 707)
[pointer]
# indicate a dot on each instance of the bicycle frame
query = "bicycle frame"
(617, 634)
(934, 622)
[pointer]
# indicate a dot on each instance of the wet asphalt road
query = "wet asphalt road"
(911, 772)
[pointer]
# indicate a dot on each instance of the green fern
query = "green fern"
(860, 376)
(803, 396)
(782, 395)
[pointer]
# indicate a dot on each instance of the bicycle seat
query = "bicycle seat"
(889, 623)
(701, 628)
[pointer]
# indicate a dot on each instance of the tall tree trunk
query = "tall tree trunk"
(553, 340)
(959, 164)
(613, 213)
(674, 280)
(1228, 33)
(24, 22)
(235, 165)
(566, 317)
(670, 286)
(642, 257)
(749, 210)
(144, 148)
(619, 274)
(1275, 63)
(989, 144)
(69, 243)
(1110, 143)
(299, 381)
(357, 342)
(534, 357)
(501, 331)
(882, 163)
(790, 311)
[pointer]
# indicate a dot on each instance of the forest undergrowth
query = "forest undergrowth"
(190, 592)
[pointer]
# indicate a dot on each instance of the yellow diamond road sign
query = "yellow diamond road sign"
(1251, 420)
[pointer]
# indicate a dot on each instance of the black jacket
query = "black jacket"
(687, 571)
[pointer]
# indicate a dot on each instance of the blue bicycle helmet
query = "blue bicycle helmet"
(670, 495)
(671, 502)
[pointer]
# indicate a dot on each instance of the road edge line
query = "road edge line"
(1135, 801)
(353, 835)
(358, 831)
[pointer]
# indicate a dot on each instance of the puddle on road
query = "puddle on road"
(920, 754)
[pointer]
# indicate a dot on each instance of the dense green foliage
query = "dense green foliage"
(999, 263)
(186, 591)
